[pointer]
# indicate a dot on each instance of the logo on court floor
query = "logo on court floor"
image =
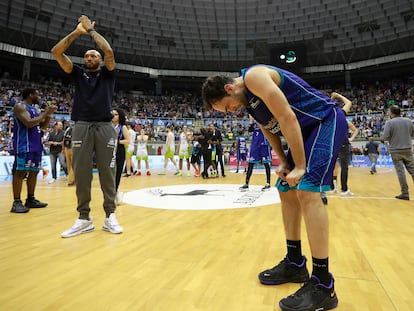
(201, 197)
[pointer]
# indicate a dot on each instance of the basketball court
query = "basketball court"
(192, 244)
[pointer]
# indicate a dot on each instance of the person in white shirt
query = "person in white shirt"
(184, 150)
(142, 152)
(129, 151)
(169, 151)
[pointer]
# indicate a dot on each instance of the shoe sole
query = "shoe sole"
(328, 304)
(105, 228)
(20, 211)
(267, 282)
(405, 199)
(87, 230)
(296, 279)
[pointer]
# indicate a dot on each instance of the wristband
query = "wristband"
(89, 30)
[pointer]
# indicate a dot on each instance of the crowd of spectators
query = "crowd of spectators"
(153, 113)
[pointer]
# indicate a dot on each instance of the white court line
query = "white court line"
(361, 197)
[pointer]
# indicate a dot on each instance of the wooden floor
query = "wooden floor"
(200, 260)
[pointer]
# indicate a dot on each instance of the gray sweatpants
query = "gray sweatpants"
(403, 159)
(99, 138)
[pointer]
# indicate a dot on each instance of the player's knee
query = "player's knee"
(20, 174)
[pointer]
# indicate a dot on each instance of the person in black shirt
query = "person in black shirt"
(55, 143)
(67, 144)
(205, 150)
(216, 139)
(93, 133)
(372, 150)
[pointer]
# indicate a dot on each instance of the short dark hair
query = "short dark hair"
(27, 92)
(213, 89)
(395, 109)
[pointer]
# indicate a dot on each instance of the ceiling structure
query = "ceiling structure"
(218, 35)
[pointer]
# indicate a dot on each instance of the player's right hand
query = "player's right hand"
(50, 109)
(81, 29)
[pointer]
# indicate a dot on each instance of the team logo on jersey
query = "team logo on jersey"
(273, 126)
(254, 102)
(201, 197)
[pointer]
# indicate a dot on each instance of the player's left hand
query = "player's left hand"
(295, 176)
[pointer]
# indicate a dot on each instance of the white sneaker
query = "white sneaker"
(52, 181)
(112, 225)
(119, 198)
(347, 193)
(80, 226)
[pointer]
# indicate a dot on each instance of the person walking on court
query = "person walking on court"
(27, 146)
(259, 153)
(399, 132)
(93, 133)
(372, 149)
(314, 128)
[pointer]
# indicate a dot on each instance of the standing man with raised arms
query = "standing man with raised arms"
(93, 132)
(314, 128)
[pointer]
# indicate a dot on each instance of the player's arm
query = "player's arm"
(386, 135)
(23, 115)
(354, 131)
(263, 83)
(59, 49)
(100, 41)
(125, 133)
(347, 103)
(276, 144)
(45, 123)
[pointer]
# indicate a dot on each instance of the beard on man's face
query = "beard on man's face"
(92, 65)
